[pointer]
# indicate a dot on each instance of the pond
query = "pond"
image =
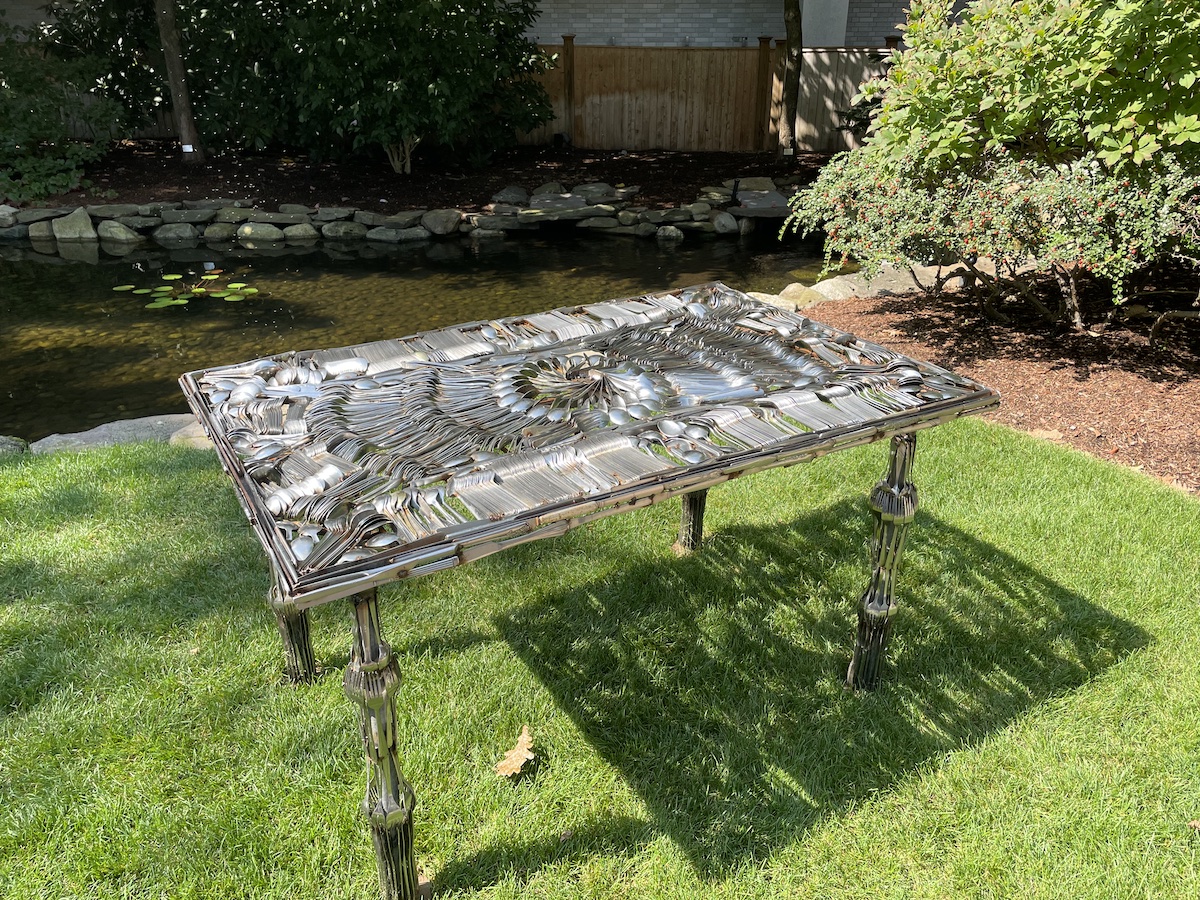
(77, 354)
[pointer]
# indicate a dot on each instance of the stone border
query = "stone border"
(731, 208)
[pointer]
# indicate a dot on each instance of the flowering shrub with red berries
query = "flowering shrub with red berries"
(1005, 222)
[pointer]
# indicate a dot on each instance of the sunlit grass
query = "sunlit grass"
(1037, 735)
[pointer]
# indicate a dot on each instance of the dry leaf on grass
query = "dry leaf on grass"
(515, 759)
(1194, 824)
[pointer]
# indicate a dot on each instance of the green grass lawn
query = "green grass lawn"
(1037, 735)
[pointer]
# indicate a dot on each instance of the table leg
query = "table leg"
(894, 504)
(372, 679)
(297, 645)
(691, 526)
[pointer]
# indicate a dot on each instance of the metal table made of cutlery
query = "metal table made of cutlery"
(389, 460)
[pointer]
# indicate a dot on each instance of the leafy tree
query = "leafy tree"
(124, 33)
(1062, 135)
(332, 75)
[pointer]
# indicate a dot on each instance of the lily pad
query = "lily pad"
(171, 294)
(162, 302)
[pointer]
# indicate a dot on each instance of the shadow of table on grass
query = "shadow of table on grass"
(714, 683)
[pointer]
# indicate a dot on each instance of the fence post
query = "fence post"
(762, 92)
(568, 70)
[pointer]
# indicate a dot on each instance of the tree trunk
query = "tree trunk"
(181, 102)
(793, 18)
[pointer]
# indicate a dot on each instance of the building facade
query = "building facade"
(715, 23)
(23, 13)
(672, 23)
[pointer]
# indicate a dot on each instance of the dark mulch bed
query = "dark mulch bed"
(1111, 393)
(145, 171)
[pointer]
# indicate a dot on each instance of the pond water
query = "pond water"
(76, 354)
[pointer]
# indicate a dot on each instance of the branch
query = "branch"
(400, 155)
(1172, 314)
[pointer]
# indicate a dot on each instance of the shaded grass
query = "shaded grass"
(1037, 732)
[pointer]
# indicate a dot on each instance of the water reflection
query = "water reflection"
(77, 354)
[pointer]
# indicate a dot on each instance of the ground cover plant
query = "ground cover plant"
(1057, 142)
(1038, 727)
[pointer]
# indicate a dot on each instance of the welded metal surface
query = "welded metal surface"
(397, 458)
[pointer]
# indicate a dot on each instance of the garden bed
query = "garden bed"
(148, 171)
(1113, 394)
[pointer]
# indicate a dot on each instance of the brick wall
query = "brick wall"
(665, 23)
(868, 22)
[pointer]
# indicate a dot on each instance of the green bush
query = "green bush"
(460, 77)
(51, 120)
(1050, 139)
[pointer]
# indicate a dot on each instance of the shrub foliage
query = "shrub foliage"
(1039, 136)
(51, 121)
(397, 73)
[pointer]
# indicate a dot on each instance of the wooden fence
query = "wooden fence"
(682, 98)
(828, 81)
